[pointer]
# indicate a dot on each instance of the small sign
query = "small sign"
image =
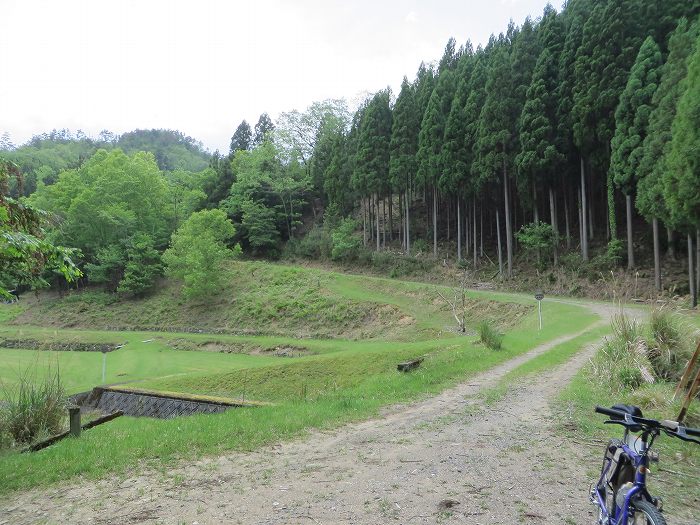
(539, 296)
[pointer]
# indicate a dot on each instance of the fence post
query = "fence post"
(74, 416)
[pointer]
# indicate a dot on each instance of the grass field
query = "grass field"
(333, 380)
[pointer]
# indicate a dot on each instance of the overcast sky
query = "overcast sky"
(201, 66)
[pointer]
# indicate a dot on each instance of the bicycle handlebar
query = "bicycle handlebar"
(623, 418)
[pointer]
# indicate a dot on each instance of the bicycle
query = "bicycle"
(621, 493)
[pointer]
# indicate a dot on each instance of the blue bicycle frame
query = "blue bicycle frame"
(640, 460)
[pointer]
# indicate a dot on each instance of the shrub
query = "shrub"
(33, 409)
(419, 246)
(670, 345)
(537, 236)
(398, 265)
(346, 241)
(489, 335)
(316, 244)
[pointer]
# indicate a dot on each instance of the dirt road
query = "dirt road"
(448, 459)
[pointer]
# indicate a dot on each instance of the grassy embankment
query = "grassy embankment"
(675, 478)
(332, 382)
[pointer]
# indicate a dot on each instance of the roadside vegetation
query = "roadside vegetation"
(640, 364)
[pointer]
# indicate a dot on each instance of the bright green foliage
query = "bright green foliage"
(142, 267)
(404, 137)
(242, 138)
(197, 251)
(108, 266)
(346, 241)
(262, 130)
(259, 225)
(632, 116)
(186, 191)
(108, 199)
(24, 252)
(371, 173)
(537, 237)
(172, 150)
(681, 179)
(262, 180)
(650, 201)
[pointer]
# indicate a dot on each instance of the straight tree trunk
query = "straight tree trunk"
(408, 225)
(657, 254)
(697, 263)
(630, 247)
(468, 229)
(500, 250)
(364, 222)
(509, 232)
(591, 215)
(435, 221)
(391, 218)
(481, 231)
(474, 227)
(670, 249)
(584, 218)
(449, 207)
(459, 233)
(566, 221)
(535, 211)
(555, 227)
(401, 231)
(691, 274)
(580, 218)
(376, 220)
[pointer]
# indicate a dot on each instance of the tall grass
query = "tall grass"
(489, 335)
(34, 408)
(638, 354)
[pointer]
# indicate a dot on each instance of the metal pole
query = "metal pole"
(539, 311)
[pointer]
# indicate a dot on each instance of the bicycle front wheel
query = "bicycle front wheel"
(646, 514)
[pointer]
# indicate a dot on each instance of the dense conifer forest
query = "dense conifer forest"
(573, 134)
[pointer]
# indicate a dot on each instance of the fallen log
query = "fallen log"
(409, 365)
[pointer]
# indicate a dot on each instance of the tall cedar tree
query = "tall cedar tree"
(262, 129)
(652, 167)
(681, 177)
(432, 132)
(631, 122)
(403, 148)
(241, 139)
(371, 173)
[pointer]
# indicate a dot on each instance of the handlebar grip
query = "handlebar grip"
(692, 431)
(610, 412)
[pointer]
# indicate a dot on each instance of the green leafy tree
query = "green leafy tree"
(198, 251)
(631, 122)
(259, 224)
(143, 266)
(346, 241)
(25, 253)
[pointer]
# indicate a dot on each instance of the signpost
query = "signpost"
(539, 296)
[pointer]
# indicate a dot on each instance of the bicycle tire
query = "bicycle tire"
(649, 511)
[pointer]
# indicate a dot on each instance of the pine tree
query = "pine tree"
(241, 140)
(631, 121)
(262, 129)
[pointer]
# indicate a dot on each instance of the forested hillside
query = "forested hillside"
(573, 135)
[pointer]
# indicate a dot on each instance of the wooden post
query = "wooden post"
(686, 373)
(74, 417)
(689, 397)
